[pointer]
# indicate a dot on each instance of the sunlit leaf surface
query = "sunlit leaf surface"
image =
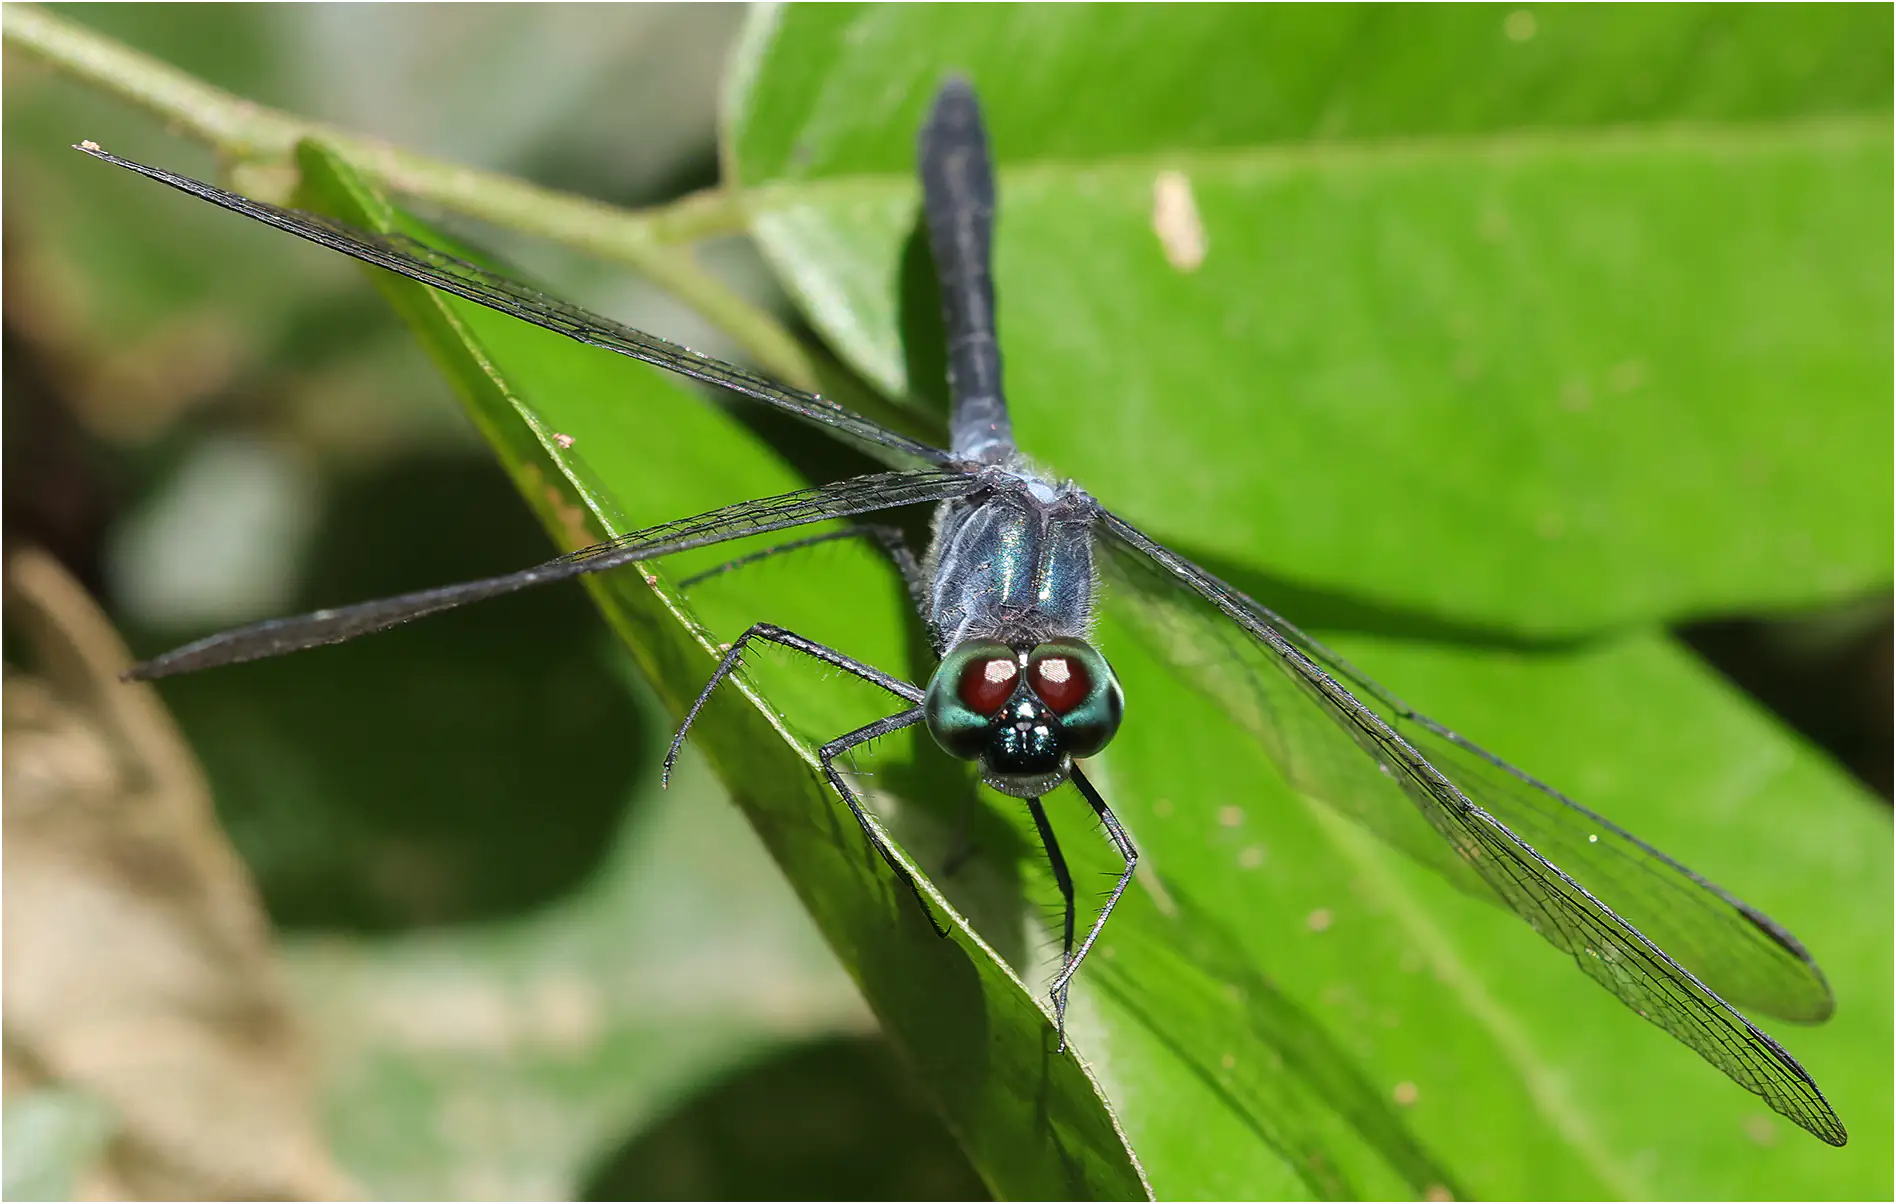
(1433, 315)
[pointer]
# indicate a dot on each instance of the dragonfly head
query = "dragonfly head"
(1023, 713)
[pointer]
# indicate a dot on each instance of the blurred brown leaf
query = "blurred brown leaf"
(138, 963)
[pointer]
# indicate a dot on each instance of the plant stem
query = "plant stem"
(651, 241)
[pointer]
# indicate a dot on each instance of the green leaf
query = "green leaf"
(598, 446)
(1540, 327)
(1526, 346)
(1520, 1075)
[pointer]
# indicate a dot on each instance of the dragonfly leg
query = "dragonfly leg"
(1116, 832)
(1065, 881)
(826, 756)
(893, 542)
(789, 639)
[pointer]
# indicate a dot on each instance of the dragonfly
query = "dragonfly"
(1007, 591)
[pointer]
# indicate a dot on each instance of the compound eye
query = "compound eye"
(1061, 681)
(986, 685)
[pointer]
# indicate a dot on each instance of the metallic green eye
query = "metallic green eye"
(1077, 684)
(972, 684)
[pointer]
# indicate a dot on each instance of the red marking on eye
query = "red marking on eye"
(986, 685)
(1061, 681)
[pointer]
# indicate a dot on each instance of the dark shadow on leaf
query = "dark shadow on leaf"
(835, 1120)
(1825, 672)
(986, 886)
(1272, 1063)
(1318, 610)
(465, 767)
(924, 339)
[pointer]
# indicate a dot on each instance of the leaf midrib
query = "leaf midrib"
(1849, 133)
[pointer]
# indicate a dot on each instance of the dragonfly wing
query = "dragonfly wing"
(1355, 752)
(1746, 955)
(1738, 950)
(275, 637)
(418, 261)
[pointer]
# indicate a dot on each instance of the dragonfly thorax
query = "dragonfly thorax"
(1023, 713)
(1012, 562)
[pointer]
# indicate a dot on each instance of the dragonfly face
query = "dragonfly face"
(1024, 713)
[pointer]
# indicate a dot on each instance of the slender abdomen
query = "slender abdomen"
(958, 205)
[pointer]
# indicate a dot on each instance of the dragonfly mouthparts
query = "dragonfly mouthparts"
(1029, 785)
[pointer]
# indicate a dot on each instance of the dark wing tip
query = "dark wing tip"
(1815, 1007)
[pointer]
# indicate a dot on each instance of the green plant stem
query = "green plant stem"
(652, 242)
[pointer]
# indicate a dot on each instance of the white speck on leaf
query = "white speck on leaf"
(1494, 224)
(1175, 220)
(1760, 1129)
(1627, 376)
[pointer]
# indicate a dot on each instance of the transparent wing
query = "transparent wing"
(418, 261)
(1570, 874)
(275, 637)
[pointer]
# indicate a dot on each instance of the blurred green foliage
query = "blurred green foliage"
(52, 1135)
(1518, 335)
(837, 1118)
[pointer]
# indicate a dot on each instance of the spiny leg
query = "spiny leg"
(1065, 881)
(893, 542)
(1123, 843)
(826, 756)
(789, 639)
